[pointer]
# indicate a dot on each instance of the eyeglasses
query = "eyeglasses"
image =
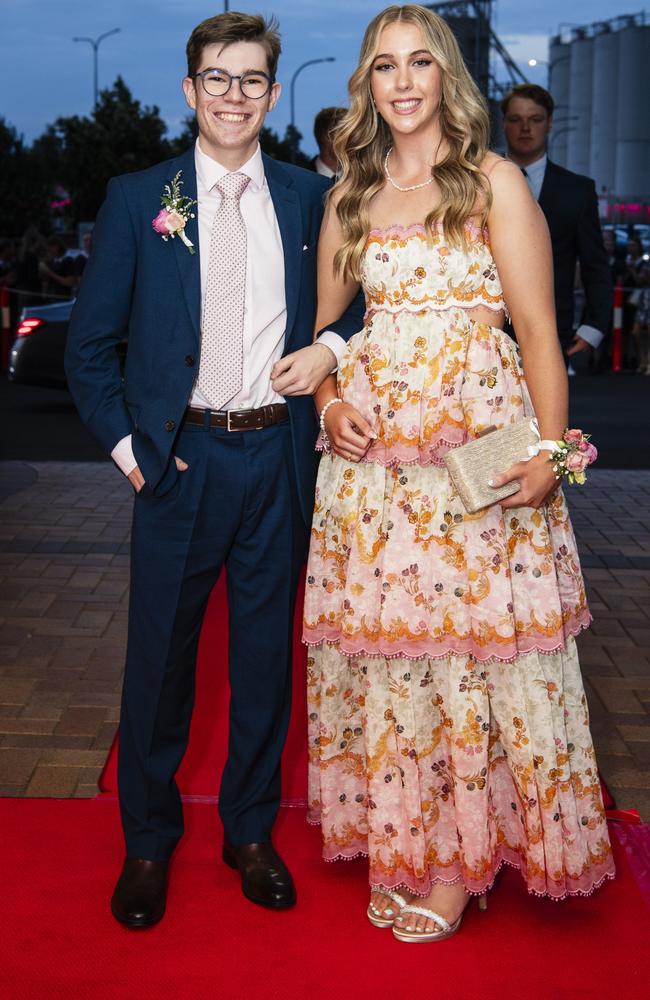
(217, 82)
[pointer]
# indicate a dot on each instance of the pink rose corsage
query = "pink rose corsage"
(572, 456)
(176, 213)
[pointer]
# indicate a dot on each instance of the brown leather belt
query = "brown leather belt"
(240, 420)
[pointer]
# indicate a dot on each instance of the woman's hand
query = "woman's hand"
(350, 434)
(537, 482)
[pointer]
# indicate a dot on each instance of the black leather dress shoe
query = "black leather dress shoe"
(141, 893)
(265, 879)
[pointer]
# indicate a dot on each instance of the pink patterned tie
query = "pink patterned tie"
(222, 341)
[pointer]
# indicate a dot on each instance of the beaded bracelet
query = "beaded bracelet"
(325, 439)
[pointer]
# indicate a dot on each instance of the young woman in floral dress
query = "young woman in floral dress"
(448, 726)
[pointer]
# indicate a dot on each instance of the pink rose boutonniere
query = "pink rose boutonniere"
(176, 213)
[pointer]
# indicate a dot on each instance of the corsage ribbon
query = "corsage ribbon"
(534, 449)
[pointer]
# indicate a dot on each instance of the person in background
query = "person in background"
(8, 263)
(325, 122)
(87, 243)
(570, 205)
(19, 271)
(636, 310)
(614, 257)
(32, 247)
(59, 270)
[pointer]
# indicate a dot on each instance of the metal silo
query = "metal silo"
(633, 114)
(580, 91)
(604, 107)
(559, 57)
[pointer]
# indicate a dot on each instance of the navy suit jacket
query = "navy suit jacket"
(139, 286)
(570, 205)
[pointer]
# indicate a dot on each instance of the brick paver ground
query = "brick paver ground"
(63, 603)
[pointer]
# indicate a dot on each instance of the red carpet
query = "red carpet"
(59, 941)
(200, 772)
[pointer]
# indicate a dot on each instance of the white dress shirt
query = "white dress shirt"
(265, 311)
(323, 169)
(534, 173)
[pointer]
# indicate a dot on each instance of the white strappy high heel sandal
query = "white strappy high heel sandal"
(446, 929)
(378, 919)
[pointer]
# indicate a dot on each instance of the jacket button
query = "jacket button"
(169, 425)
(189, 360)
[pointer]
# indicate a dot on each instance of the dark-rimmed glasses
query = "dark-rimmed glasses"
(217, 82)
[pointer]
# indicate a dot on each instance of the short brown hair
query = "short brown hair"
(326, 120)
(533, 92)
(225, 29)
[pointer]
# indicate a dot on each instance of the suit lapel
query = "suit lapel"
(189, 268)
(547, 184)
(287, 209)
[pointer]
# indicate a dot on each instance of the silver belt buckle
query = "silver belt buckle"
(228, 427)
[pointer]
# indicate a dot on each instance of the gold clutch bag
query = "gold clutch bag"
(474, 463)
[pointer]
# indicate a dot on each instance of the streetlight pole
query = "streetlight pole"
(292, 97)
(96, 42)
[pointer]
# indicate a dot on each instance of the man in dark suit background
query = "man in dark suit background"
(570, 205)
(222, 464)
(325, 121)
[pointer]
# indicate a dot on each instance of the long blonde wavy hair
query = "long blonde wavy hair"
(362, 139)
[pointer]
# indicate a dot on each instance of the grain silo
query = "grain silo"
(632, 180)
(604, 107)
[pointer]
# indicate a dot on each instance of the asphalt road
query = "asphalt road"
(40, 424)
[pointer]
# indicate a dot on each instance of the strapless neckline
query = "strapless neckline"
(418, 227)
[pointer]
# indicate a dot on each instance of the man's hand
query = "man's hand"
(536, 482)
(300, 373)
(136, 478)
(349, 432)
(578, 344)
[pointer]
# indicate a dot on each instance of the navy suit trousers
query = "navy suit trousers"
(236, 506)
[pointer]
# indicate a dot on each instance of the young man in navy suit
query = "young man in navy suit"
(213, 289)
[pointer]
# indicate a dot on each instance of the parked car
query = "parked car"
(37, 353)
(36, 357)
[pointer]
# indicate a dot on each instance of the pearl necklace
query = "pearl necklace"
(411, 187)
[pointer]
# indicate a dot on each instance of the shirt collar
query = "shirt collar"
(536, 170)
(323, 169)
(209, 171)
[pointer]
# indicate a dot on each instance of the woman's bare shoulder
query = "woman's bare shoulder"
(494, 161)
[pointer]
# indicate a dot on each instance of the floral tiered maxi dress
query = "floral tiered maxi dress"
(448, 725)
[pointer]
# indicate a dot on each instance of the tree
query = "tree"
(287, 149)
(81, 154)
(120, 136)
(180, 143)
(23, 184)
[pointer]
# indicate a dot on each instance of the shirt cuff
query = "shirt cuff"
(335, 343)
(590, 334)
(122, 455)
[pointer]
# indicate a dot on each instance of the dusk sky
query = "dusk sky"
(44, 74)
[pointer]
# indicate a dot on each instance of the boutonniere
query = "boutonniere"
(172, 219)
